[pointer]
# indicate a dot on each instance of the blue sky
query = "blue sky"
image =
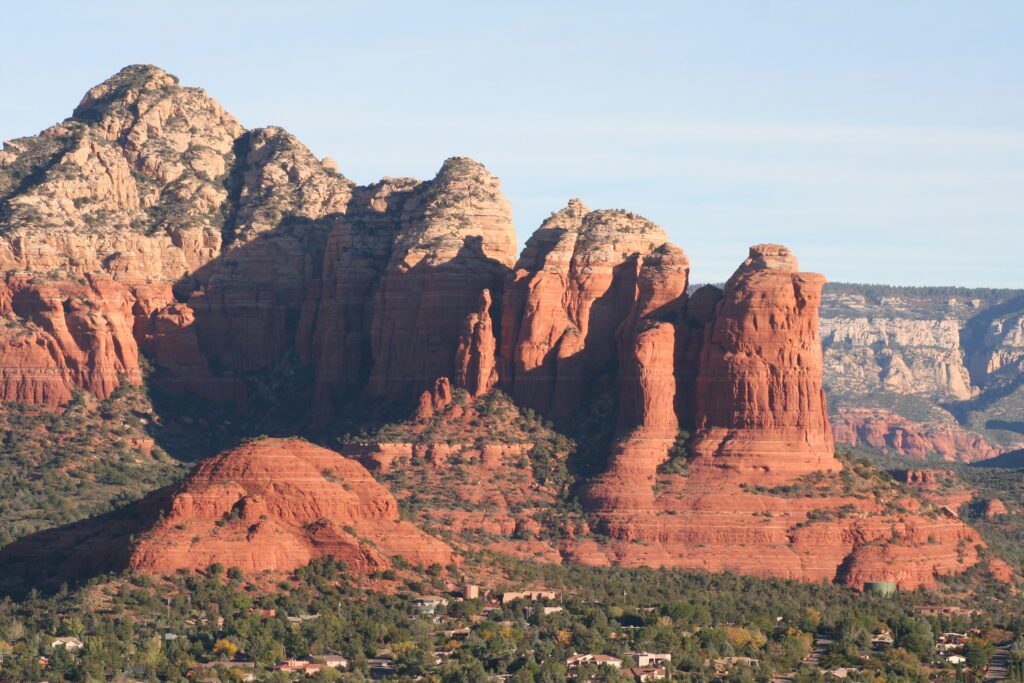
(882, 141)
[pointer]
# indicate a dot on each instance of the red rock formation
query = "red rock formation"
(335, 332)
(994, 508)
(761, 424)
(1001, 571)
(761, 408)
(648, 420)
(475, 363)
(885, 431)
(491, 492)
(573, 286)
(275, 505)
(60, 336)
(924, 477)
(457, 240)
(433, 401)
(700, 309)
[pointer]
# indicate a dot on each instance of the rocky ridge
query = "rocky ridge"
(945, 362)
(246, 269)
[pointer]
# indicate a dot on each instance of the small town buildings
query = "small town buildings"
(882, 639)
(69, 643)
(534, 595)
(381, 666)
(650, 659)
(724, 664)
(642, 674)
(429, 604)
(302, 618)
(331, 661)
(292, 665)
(600, 660)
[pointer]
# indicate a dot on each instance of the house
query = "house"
(470, 592)
(429, 604)
(944, 611)
(724, 664)
(605, 660)
(650, 659)
(69, 643)
(292, 665)
(331, 661)
(457, 633)
(882, 639)
(553, 609)
(381, 666)
(534, 595)
(302, 618)
(642, 674)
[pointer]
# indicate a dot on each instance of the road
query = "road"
(998, 667)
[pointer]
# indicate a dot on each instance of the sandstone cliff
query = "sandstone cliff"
(253, 275)
(574, 285)
(241, 255)
(760, 403)
(761, 492)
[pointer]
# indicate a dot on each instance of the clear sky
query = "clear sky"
(882, 141)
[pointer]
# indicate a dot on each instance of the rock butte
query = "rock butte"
(277, 504)
(152, 222)
(270, 504)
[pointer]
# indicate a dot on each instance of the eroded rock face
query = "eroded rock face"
(994, 508)
(920, 357)
(456, 241)
(250, 254)
(885, 431)
(649, 398)
(743, 502)
(574, 285)
(60, 336)
(761, 409)
(275, 505)
(339, 316)
(151, 219)
(131, 185)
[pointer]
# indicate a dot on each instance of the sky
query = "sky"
(881, 141)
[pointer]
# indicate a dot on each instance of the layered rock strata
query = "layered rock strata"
(760, 403)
